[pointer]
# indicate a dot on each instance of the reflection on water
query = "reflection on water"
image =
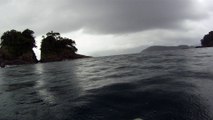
(169, 85)
(43, 92)
(40, 87)
(37, 91)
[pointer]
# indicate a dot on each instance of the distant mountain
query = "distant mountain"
(132, 50)
(165, 48)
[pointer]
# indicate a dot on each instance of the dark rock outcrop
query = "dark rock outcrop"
(207, 40)
(2, 64)
(65, 55)
(26, 58)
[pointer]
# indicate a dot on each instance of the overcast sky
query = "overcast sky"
(104, 27)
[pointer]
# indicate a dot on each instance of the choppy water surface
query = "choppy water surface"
(166, 85)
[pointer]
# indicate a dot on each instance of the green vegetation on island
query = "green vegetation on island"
(207, 40)
(57, 48)
(17, 48)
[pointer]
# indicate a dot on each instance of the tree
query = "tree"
(17, 42)
(207, 40)
(54, 44)
(53, 34)
(28, 34)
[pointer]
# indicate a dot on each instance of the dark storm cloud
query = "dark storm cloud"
(100, 16)
(123, 16)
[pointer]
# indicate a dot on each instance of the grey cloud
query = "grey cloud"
(100, 16)
(138, 15)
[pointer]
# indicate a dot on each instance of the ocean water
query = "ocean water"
(157, 85)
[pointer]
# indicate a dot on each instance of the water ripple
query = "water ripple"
(169, 85)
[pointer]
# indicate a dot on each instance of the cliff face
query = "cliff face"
(64, 55)
(8, 59)
(1, 59)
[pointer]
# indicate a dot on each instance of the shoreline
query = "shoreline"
(4, 63)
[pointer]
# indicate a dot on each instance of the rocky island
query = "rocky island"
(207, 40)
(16, 48)
(57, 48)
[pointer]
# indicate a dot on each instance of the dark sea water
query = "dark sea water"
(157, 85)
